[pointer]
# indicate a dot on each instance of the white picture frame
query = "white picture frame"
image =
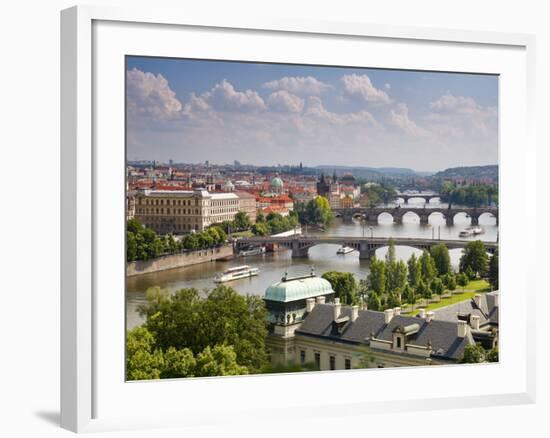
(84, 324)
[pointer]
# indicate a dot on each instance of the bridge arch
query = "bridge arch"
(488, 214)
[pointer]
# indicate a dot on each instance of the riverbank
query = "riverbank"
(180, 260)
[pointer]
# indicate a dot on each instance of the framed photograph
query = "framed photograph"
(256, 215)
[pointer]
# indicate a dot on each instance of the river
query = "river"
(322, 258)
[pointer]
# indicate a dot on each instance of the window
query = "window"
(302, 356)
(399, 342)
(347, 364)
(332, 363)
(318, 360)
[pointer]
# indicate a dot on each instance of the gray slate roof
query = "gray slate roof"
(441, 334)
(487, 310)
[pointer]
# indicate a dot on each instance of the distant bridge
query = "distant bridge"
(366, 247)
(371, 214)
(426, 196)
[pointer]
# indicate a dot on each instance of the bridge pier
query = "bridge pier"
(367, 251)
(372, 219)
(450, 220)
(299, 250)
(424, 219)
(347, 218)
(474, 220)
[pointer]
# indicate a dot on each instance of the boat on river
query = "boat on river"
(236, 273)
(471, 231)
(252, 250)
(344, 250)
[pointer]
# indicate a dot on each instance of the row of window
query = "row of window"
(168, 211)
(317, 360)
(169, 202)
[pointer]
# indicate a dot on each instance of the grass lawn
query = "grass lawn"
(472, 288)
(246, 233)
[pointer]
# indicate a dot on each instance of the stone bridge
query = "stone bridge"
(366, 247)
(371, 213)
(426, 196)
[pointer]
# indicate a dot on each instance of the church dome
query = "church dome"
(296, 289)
(228, 186)
(276, 182)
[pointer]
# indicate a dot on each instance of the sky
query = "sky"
(267, 114)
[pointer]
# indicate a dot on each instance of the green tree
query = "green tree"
(221, 360)
(260, 229)
(427, 266)
(178, 363)
(414, 270)
(409, 295)
(442, 260)
(493, 271)
(143, 360)
(437, 287)
(462, 280)
(473, 354)
(344, 284)
(450, 282)
(373, 301)
(242, 221)
(377, 276)
(492, 355)
(131, 246)
(474, 256)
(316, 211)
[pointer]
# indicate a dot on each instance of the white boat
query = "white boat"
(236, 273)
(471, 231)
(344, 250)
(252, 250)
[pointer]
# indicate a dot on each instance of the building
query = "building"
(184, 211)
(309, 326)
(286, 304)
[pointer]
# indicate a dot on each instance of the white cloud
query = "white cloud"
(283, 101)
(150, 95)
(387, 86)
(361, 88)
(298, 85)
(224, 97)
(399, 117)
(461, 116)
(317, 110)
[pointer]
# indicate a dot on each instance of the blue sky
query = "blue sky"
(193, 110)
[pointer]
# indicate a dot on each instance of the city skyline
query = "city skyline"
(268, 114)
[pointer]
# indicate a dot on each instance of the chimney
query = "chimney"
(396, 311)
(477, 300)
(474, 322)
(354, 313)
(430, 316)
(321, 299)
(462, 328)
(337, 308)
(388, 315)
(310, 304)
(422, 313)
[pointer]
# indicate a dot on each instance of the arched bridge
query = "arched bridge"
(371, 213)
(426, 196)
(366, 247)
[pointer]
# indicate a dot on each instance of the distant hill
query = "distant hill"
(476, 172)
(368, 172)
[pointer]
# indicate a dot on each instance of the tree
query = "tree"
(178, 363)
(414, 270)
(423, 290)
(242, 221)
(409, 295)
(437, 287)
(131, 247)
(260, 229)
(462, 280)
(344, 284)
(475, 257)
(473, 353)
(316, 211)
(373, 301)
(427, 266)
(224, 317)
(492, 355)
(143, 361)
(442, 260)
(377, 276)
(221, 360)
(450, 282)
(493, 271)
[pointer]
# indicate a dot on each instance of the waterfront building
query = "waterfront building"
(286, 304)
(184, 211)
(333, 336)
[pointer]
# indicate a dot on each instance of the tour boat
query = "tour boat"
(236, 273)
(252, 250)
(471, 231)
(344, 250)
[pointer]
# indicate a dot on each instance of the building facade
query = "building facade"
(185, 211)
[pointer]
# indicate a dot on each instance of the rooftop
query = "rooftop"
(298, 288)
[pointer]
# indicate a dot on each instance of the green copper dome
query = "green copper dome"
(295, 289)
(276, 182)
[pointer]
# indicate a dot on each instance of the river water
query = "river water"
(322, 258)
